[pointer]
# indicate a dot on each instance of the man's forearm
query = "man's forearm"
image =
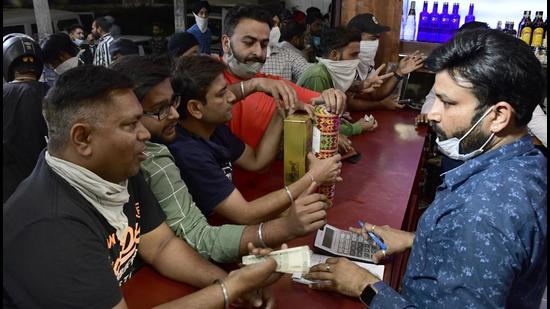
(269, 144)
(177, 259)
(386, 88)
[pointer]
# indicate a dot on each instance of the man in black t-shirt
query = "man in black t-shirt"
(73, 228)
(23, 126)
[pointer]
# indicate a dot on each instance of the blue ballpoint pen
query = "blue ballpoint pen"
(374, 237)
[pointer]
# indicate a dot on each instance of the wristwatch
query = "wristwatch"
(368, 294)
(397, 76)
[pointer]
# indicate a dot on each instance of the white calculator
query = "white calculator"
(335, 241)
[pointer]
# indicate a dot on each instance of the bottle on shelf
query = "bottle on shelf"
(526, 28)
(538, 30)
(423, 23)
(470, 17)
(434, 24)
(455, 19)
(512, 32)
(526, 15)
(410, 24)
(404, 18)
(445, 24)
(506, 27)
(499, 25)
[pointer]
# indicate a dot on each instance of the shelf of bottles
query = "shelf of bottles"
(440, 26)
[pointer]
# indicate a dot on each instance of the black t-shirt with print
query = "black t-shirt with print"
(60, 252)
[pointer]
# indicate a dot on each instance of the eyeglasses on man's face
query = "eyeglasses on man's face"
(162, 112)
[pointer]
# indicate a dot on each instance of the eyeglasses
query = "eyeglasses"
(162, 112)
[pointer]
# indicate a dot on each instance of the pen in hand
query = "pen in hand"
(374, 237)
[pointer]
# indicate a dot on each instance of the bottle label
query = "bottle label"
(537, 37)
(526, 34)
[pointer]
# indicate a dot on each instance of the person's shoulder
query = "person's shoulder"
(316, 69)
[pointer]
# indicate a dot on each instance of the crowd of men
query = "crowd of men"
(112, 160)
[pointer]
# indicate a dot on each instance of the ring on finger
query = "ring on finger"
(384, 253)
(372, 228)
(327, 268)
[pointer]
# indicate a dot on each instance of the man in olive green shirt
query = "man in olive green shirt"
(226, 243)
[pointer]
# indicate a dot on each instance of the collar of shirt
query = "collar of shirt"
(105, 36)
(485, 160)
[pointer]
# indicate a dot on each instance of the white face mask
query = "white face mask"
(241, 69)
(367, 52)
(451, 147)
(67, 65)
(342, 72)
(202, 23)
(274, 36)
(77, 42)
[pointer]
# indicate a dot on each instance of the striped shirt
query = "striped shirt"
(219, 243)
(102, 56)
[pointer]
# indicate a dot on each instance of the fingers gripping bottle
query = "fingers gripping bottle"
(325, 142)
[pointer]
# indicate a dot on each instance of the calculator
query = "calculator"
(334, 241)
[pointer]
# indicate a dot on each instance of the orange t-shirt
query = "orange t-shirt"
(252, 115)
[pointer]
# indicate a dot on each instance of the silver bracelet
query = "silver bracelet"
(260, 235)
(242, 89)
(289, 195)
(225, 295)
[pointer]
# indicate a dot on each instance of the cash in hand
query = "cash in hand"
(292, 260)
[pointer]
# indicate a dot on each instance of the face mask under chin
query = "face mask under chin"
(241, 69)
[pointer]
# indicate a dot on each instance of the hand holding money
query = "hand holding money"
(289, 261)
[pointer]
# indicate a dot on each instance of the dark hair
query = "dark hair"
(498, 66)
(123, 47)
(145, 71)
(197, 6)
(76, 96)
(313, 16)
(253, 12)
(473, 25)
(56, 44)
(313, 9)
(180, 42)
(292, 29)
(192, 77)
(103, 23)
(73, 27)
(337, 38)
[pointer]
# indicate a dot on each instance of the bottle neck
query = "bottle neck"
(471, 10)
(434, 10)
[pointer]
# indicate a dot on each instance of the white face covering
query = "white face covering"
(67, 65)
(202, 23)
(451, 147)
(274, 36)
(241, 69)
(342, 72)
(77, 42)
(367, 52)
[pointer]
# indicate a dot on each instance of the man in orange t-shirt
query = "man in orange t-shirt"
(244, 42)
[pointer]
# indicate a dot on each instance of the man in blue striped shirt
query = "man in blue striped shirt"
(101, 30)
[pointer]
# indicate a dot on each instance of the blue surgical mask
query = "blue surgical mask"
(316, 40)
(451, 147)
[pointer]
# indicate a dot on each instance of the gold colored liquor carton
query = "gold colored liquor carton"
(297, 144)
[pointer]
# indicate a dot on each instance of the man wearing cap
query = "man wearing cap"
(371, 30)
(200, 30)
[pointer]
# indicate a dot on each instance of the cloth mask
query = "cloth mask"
(451, 147)
(342, 72)
(316, 41)
(107, 197)
(367, 52)
(274, 36)
(77, 42)
(241, 69)
(67, 65)
(202, 23)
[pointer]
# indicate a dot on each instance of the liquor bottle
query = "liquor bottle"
(455, 19)
(526, 15)
(410, 24)
(470, 17)
(499, 25)
(526, 29)
(423, 23)
(511, 31)
(434, 24)
(445, 24)
(538, 30)
(506, 27)
(404, 18)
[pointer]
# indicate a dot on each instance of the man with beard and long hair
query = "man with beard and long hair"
(482, 242)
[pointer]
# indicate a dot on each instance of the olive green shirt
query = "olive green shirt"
(219, 243)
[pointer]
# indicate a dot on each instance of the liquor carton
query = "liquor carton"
(297, 144)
